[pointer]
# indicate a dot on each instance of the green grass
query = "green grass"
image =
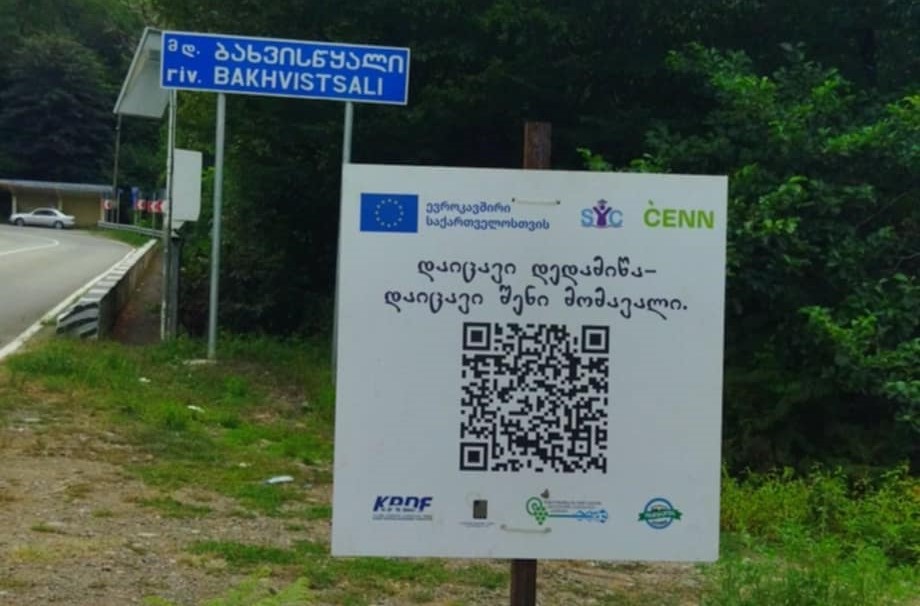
(826, 538)
(319, 512)
(172, 508)
(130, 238)
(247, 423)
(352, 579)
(242, 555)
(254, 591)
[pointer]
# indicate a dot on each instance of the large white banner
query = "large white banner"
(529, 364)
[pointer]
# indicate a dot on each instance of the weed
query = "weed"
(243, 555)
(31, 555)
(879, 512)
(130, 238)
(13, 583)
(318, 512)
(480, 575)
(254, 591)
(172, 508)
(78, 491)
(48, 528)
(822, 539)
(422, 596)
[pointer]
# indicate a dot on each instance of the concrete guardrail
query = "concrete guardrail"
(94, 314)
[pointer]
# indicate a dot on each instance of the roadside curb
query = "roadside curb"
(94, 314)
(14, 346)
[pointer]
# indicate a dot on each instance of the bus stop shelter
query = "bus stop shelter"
(82, 200)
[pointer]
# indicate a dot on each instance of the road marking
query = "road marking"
(30, 248)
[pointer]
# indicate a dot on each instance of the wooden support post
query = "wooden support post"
(537, 144)
(537, 154)
(523, 582)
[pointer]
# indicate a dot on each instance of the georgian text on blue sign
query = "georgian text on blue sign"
(285, 68)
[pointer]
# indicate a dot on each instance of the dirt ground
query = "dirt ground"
(74, 529)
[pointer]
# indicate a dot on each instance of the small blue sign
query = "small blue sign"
(389, 213)
(285, 68)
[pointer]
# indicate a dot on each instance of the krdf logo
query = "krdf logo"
(395, 504)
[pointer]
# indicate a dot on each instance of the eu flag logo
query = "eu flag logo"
(389, 212)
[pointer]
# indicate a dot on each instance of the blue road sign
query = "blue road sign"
(285, 68)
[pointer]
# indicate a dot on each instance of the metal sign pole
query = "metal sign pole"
(166, 298)
(215, 232)
(346, 135)
(195, 61)
(346, 159)
(108, 214)
(172, 322)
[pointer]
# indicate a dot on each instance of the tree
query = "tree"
(823, 301)
(822, 319)
(55, 113)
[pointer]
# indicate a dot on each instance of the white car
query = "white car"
(45, 217)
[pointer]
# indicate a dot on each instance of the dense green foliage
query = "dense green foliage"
(811, 108)
(594, 69)
(62, 63)
(55, 111)
(823, 301)
(820, 539)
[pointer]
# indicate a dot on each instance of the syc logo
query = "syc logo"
(388, 504)
(602, 216)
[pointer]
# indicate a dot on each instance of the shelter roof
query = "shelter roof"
(22, 186)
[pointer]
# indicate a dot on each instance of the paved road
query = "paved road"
(39, 267)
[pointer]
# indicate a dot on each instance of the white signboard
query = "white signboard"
(529, 364)
(186, 205)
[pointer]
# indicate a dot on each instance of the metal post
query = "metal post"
(215, 230)
(537, 151)
(166, 297)
(346, 159)
(115, 168)
(346, 134)
(172, 322)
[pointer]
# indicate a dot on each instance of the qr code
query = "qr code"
(534, 397)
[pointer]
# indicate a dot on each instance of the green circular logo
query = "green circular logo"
(537, 509)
